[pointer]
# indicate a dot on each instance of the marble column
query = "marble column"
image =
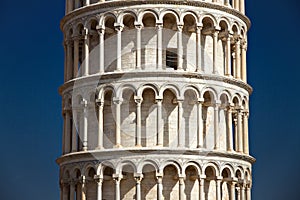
(160, 136)
(138, 179)
(199, 49)
(246, 132)
(242, 6)
(159, 188)
(99, 181)
(138, 101)
(67, 132)
(199, 124)
(244, 62)
(101, 32)
(238, 193)
(181, 187)
(87, 2)
(238, 59)
(218, 188)
(117, 178)
(100, 123)
(242, 191)
(228, 71)
(232, 190)
(239, 131)
(69, 62)
(76, 56)
(138, 28)
(65, 191)
(215, 50)
(118, 103)
(159, 27)
(74, 132)
(86, 52)
(229, 129)
(85, 125)
(83, 188)
(119, 29)
(216, 126)
(248, 192)
(179, 119)
(201, 189)
(179, 47)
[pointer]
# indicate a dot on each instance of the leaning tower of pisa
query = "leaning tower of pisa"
(155, 100)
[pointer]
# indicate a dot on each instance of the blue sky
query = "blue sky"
(31, 55)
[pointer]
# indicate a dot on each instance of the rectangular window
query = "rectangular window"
(171, 58)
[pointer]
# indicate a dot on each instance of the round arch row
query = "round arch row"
(151, 116)
(150, 179)
(189, 41)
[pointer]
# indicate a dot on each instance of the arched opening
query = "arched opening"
(190, 118)
(170, 119)
(149, 42)
(207, 44)
(191, 184)
(224, 131)
(235, 123)
(128, 119)
(225, 185)
(222, 50)
(170, 42)
(93, 44)
(189, 43)
(233, 49)
(91, 185)
(149, 119)
(80, 50)
(208, 120)
(210, 183)
(109, 123)
(110, 45)
(148, 185)
(128, 43)
(108, 185)
(127, 183)
(170, 182)
(78, 186)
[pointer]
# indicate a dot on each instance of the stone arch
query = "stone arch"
(210, 18)
(192, 174)
(152, 87)
(149, 182)
(121, 17)
(213, 166)
(239, 173)
(170, 182)
(143, 163)
(223, 21)
(79, 27)
(189, 12)
(104, 90)
(229, 170)
(236, 100)
(211, 91)
(105, 16)
(172, 87)
(170, 162)
(108, 185)
(127, 185)
(169, 11)
(121, 88)
(236, 28)
(147, 12)
(193, 88)
(192, 164)
(124, 163)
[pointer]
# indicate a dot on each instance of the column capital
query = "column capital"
(98, 178)
(117, 100)
(159, 100)
(99, 102)
(200, 100)
(138, 25)
(179, 27)
(100, 29)
(138, 177)
(117, 177)
(119, 27)
(159, 25)
(84, 103)
(138, 100)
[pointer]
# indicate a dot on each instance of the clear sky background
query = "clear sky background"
(31, 55)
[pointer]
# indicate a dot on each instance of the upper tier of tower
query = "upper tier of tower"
(72, 5)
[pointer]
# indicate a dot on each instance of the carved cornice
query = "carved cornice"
(118, 4)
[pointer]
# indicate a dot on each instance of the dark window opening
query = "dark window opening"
(171, 58)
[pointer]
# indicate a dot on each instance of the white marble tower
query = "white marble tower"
(155, 100)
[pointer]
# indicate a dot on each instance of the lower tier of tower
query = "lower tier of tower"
(155, 174)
